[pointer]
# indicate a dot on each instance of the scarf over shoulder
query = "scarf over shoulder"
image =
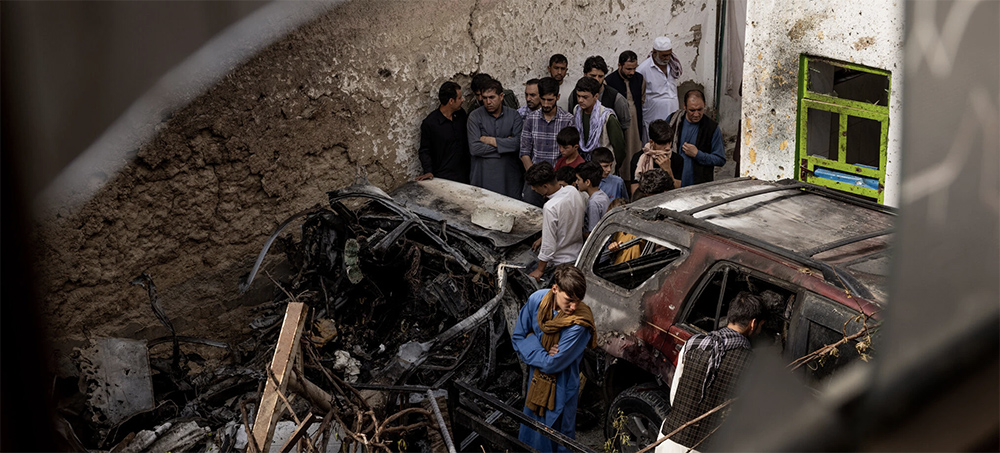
(598, 118)
(717, 343)
(542, 390)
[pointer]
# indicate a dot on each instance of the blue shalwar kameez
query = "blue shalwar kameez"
(565, 365)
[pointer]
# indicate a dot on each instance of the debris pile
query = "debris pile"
(381, 310)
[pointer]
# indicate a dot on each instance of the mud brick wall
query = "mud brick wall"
(194, 205)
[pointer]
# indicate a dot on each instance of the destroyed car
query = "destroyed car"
(378, 306)
(404, 275)
(818, 257)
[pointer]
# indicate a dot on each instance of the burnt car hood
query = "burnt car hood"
(454, 203)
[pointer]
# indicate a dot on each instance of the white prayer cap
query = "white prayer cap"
(662, 43)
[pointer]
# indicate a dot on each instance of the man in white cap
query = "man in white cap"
(661, 71)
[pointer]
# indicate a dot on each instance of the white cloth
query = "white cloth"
(662, 43)
(562, 227)
(669, 446)
(661, 93)
(565, 91)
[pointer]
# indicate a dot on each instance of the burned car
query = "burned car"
(819, 258)
(401, 274)
(379, 306)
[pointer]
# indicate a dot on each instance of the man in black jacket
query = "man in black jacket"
(632, 85)
(698, 139)
(444, 149)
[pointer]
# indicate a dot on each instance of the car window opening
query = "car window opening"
(711, 305)
(627, 260)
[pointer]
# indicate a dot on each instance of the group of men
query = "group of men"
(559, 152)
(499, 140)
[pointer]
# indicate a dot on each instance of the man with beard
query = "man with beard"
(478, 82)
(494, 133)
(444, 150)
(558, 68)
(531, 98)
(697, 139)
(661, 71)
(538, 136)
(632, 85)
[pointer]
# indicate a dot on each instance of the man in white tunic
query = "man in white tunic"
(661, 71)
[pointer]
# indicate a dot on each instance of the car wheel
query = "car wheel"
(642, 410)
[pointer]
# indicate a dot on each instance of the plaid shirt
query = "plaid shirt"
(538, 137)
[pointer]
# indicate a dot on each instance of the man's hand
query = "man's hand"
(526, 161)
(537, 245)
(536, 274)
(554, 350)
(614, 246)
(492, 141)
(690, 149)
(425, 176)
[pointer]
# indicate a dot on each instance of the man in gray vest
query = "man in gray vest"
(708, 372)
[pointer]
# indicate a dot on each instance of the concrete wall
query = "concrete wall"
(777, 33)
(193, 206)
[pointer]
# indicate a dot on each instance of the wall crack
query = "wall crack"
(472, 36)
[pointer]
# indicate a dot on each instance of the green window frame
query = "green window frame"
(842, 109)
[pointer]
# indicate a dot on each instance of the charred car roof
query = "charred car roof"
(456, 203)
(844, 237)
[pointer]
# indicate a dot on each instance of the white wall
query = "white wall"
(778, 32)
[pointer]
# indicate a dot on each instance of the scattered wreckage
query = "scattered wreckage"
(389, 332)
(396, 309)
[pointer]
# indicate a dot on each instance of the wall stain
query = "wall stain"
(802, 26)
(864, 43)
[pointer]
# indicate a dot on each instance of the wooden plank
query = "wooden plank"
(281, 365)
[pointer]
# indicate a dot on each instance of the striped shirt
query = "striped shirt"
(538, 136)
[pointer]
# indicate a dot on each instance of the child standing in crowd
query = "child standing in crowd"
(569, 147)
(562, 220)
(612, 185)
(566, 176)
(658, 154)
(588, 179)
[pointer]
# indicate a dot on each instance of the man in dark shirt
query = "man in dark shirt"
(632, 85)
(444, 148)
(708, 371)
(697, 139)
(481, 80)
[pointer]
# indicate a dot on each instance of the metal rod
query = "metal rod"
(490, 419)
(440, 420)
(394, 388)
(706, 206)
(541, 428)
(847, 241)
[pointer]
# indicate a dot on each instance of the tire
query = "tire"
(644, 408)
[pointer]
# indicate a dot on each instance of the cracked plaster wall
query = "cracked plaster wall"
(194, 205)
(856, 31)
